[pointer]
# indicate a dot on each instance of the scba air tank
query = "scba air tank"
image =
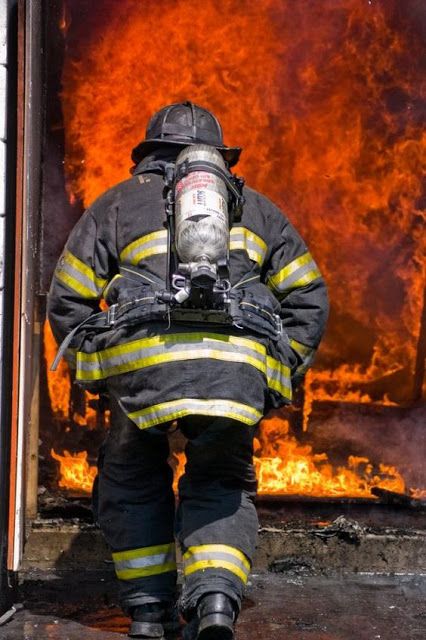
(202, 218)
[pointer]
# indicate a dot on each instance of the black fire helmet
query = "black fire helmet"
(182, 124)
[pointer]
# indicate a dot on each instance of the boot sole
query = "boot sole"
(215, 627)
(146, 631)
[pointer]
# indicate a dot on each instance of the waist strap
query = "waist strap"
(243, 312)
(129, 313)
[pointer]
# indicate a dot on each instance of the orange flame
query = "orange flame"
(76, 473)
(58, 382)
(327, 108)
(419, 494)
(285, 467)
(326, 104)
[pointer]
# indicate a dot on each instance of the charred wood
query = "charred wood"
(398, 499)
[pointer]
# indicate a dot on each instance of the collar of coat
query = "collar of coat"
(156, 162)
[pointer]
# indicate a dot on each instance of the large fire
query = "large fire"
(326, 100)
(285, 466)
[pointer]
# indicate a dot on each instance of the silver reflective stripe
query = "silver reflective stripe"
(146, 561)
(78, 276)
(160, 350)
(307, 354)
(290, 281)
(215, 555)
(81, 277)
(170, 352)
(302, 369)
(166, 411)
(149, 245)
(244, 239)
(110, 283)
(298, 273)
(155, 243)
(278, 376)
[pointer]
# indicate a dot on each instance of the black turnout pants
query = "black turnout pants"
(215, 524)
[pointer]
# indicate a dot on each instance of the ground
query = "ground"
(71, 606)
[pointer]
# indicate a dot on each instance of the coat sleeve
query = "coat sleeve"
(296, 281)
(85, 266)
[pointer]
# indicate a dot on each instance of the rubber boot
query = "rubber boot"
(151, 621)
(216, 617)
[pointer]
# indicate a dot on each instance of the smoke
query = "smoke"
(389, 435)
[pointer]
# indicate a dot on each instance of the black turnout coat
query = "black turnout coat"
(159, 371)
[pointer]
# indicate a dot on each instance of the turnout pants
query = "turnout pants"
(215, 524)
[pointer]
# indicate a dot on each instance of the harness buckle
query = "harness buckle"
(111, 315)
(279, 326)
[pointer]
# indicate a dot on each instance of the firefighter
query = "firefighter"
(207, 343)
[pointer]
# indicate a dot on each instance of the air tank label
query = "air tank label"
(197, 180)
(201, 202)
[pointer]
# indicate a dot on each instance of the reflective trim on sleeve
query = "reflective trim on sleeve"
(278, 375)
(164, 349)
(307, 355)
(216, 556)
(154, 243)
(167, 411)
(79, 277)
(298, 273)
(301, 349)
(110, 283)
(242, 238)
(144, 562)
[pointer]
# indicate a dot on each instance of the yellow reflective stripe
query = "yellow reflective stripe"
(158, 237)
(301, 349)
(306, 279)
(249, 235)
(84, 269)
(163, 358)
(216, 556)
(79, 277)
(298, 273)
(165, 349)
(147, 253)
(216, 564)
(248, 239)
(167, 411)
(170, 339)
(286, 271)
(142, 552)
(217, 548)
(155, 243)
(110, 283)
(75, 285)
(306, 353)
(302, 369)
(143, 572)
(281, 384)
(145, 561)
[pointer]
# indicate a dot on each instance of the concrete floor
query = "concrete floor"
(70, 606)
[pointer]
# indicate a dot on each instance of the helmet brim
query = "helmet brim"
(230, 154)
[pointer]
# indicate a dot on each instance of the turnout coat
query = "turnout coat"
(158, 371)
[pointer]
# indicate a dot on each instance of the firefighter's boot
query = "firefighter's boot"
(152, 621)
(216, 617)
